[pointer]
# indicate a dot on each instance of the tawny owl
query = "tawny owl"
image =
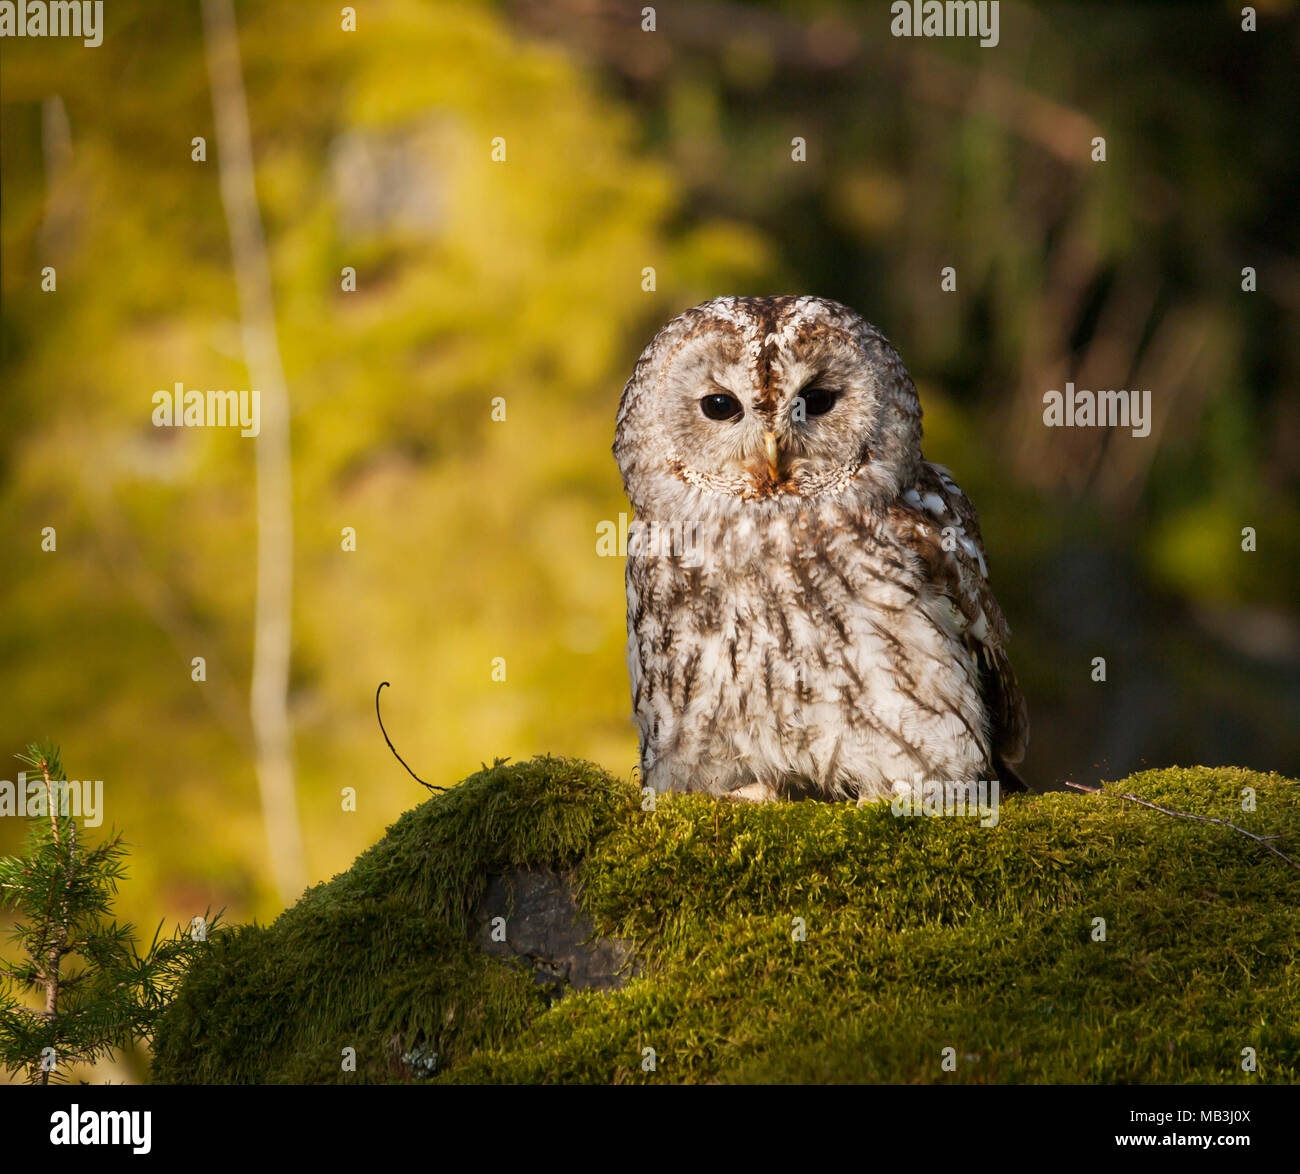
(809, 612)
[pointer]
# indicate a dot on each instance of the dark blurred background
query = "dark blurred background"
(524, 279)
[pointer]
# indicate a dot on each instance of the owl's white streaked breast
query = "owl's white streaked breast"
(805, 650)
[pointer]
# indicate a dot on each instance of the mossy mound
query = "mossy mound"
(782, 942)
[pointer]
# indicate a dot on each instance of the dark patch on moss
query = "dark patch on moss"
(531, 915)
(921, 934)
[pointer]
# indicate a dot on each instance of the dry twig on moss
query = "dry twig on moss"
(1188, 815)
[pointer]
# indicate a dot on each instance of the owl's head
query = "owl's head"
(774, 400)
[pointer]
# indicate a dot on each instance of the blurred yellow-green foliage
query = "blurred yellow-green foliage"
(476, 538)
(626, 150)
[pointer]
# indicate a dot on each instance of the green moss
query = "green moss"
(921, 934)
(380, 958)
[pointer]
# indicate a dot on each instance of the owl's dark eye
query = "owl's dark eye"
(721, 406)
(817, 401)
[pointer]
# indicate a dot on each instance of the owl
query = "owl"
(808, 606)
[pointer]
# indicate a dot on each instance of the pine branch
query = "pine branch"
(97, 991)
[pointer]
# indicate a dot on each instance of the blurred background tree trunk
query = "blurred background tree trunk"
(269, 698)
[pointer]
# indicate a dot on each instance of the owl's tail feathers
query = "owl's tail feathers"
(1008, 779)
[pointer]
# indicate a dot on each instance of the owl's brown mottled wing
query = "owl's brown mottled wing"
(940, 525)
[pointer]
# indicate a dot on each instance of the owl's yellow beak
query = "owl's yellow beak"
(769, 443)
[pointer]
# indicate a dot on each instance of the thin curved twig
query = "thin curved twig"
(1188, 815)
(409, 771)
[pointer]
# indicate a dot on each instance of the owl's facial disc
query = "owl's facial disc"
(792, 425)
(767, 398)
